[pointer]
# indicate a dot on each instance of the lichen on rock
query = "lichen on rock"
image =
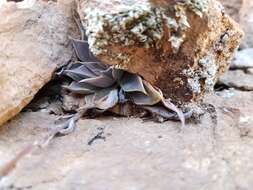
(204, 77)
(198, 6)
(140, 25)
(195, 36)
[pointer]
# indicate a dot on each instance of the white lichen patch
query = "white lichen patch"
(171, 22)
(194, 85)
(176, 42)
(207, 72)
(180, 11)
(178, 26)
(140, 25)
(198, 6)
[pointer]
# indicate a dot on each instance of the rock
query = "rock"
(179, 47)
(233, 8)
(243, 59)
(132, 154)
(33, 44)
(250, 71)
(237, 79)
(241, 11)
(246, 22)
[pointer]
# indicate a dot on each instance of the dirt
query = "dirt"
(132, 154)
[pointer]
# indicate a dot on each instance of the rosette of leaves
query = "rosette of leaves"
(103, 87)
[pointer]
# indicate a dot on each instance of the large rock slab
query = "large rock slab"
(127, 153)
(33, 44)
(179, 46)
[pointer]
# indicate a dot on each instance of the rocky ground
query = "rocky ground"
(110, 153)
(132, 154)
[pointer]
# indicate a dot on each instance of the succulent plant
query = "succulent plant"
(103, 87)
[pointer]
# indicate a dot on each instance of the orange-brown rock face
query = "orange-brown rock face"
(180, 46)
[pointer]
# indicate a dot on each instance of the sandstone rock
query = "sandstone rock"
(33, 44)
(179, 47)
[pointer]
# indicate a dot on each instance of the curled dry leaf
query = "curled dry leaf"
(169, 105)
(151, 97)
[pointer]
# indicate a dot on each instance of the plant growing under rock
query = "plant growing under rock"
(104, 87)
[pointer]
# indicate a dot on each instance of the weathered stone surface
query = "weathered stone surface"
(137, 154)
(243, 59)
(237, 79)
(233, 8)
(242, 11)
(246, 22)
(33, 44)
(178, 47)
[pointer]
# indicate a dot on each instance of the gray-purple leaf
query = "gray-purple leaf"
(78, 88)
(170, 106)
(108, 73)
(101, 81)
(106, 99)
(79, 73)
(132, 83)
(161, 111)
(117, 74)
(82, 51)
(96, 66)
(151, 97)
